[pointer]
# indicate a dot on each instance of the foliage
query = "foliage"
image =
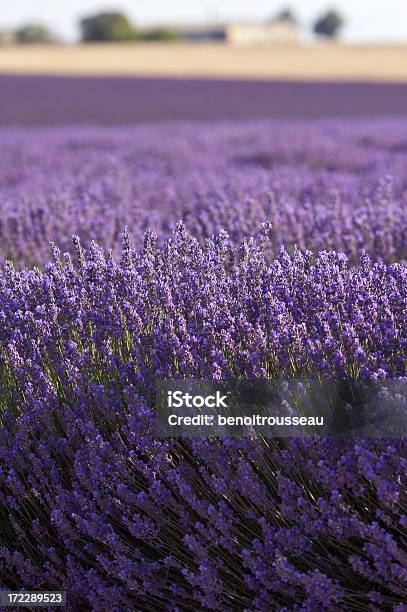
(33, 34)
(329, 24)
(286, 15)
(107, 27)
(160, 34)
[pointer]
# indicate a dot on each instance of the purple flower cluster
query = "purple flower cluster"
(93, 503)
(325, 185)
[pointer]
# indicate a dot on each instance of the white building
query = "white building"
(276, 32)
(245, 33)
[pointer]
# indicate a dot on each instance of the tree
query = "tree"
(286, 15)
(33, 33)
(107, 27)
(329, 24)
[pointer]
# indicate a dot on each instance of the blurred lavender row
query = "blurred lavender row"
(329, 184)
(45, 100)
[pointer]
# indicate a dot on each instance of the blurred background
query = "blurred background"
(149, 60)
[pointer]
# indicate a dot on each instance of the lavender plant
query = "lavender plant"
(92, 502)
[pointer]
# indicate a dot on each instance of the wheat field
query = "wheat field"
(323, 61)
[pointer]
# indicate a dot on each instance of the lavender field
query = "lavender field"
(55, 100)
(324, 185)
(251, 249)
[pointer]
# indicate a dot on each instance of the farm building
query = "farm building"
(277, 32)
(260, 33)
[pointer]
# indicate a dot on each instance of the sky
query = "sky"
(366, 20)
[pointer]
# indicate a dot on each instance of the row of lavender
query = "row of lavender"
(325, 185)
(67, 100)
(93, 503)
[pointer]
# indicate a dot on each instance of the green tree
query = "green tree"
(33, 33)
(286, 15)
(106, 27)
(329, 24)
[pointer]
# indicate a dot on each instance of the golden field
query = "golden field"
(324, 61)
